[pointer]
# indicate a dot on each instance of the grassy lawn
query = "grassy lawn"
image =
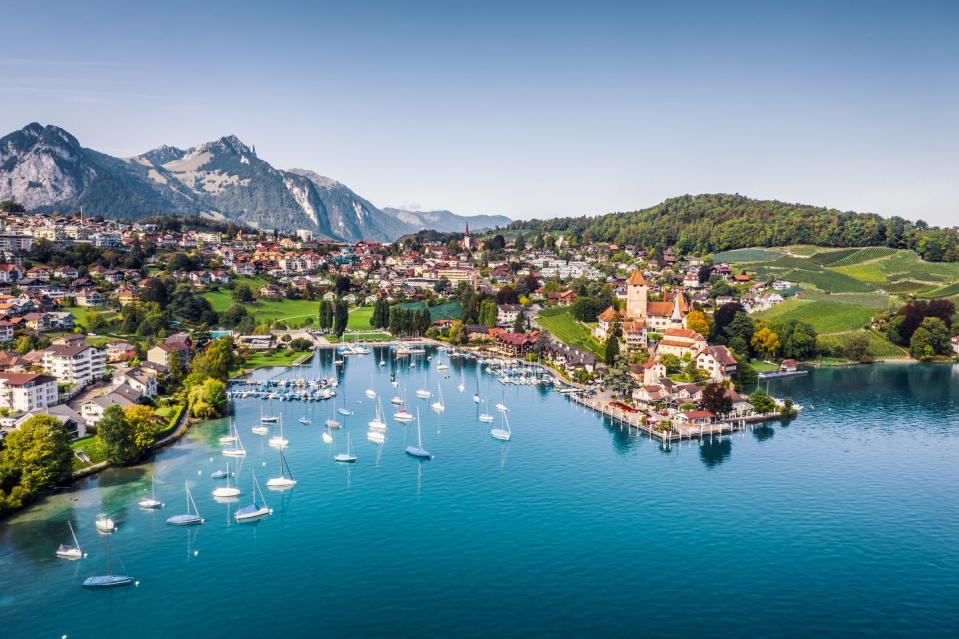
(568, 330)
(80, 313)
(449, 310)
(359, 319)
(364, 337)
(763, 367)
(825, 316)
(89, 446)
(293, 312)
(285, 357)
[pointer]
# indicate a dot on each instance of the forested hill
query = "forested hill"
(701, 224)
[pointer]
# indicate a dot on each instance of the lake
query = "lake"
(841, 523)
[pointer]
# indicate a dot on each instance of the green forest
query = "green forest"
(703, 224)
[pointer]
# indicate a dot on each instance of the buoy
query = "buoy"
(199, 472)
(196, 553)
(136, 583)
(211, 459)
(85, 555)
(263, 463)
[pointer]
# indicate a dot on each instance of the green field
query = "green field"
(359, 319)
(879, 346)
(565, 328)
(283, 358)
(447, 311)
(292, 312)
(80, 313)
(747, 255)
(825, 316)
(363, 337)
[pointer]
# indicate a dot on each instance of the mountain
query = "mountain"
(709, 223)
(447, 221)
(46, 169)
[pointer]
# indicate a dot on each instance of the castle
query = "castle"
(641, 315)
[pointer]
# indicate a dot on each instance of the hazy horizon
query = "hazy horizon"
(537, 110)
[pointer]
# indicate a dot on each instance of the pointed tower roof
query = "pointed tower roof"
(636, 279)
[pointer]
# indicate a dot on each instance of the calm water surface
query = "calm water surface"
(842, 523)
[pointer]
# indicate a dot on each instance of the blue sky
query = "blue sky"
(526, 109)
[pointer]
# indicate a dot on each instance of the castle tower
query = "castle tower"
(637, 297)
(467, 239)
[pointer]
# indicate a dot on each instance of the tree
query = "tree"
(507, 295)
(765, 342)
(797, 339)
(619, 380)
(326, 315)
(243, 294)
(715, 399)
(342, 285)
(37, 455)
(724, 315)
(930, 339)
(143, 426)
(611, 347)
(696, 321)
(341, 315)
(11, 206)
(114, 438)
(761, 401)
(519, 324)
(457, 334)
(857, 348)
(216, 361)
(488, 313)
(208, 400)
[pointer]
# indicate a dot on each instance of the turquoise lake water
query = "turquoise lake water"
(842, 523)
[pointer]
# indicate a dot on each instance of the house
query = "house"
(66, 273)
(165, 353)
(127, 295)
(6, 331)
(516, 343)
(695, 418)
(74, 364)
(139, 380)
(70, 420)
(717, 361)
(789, 366)
(90, 297)
(120, 352)
(955, 344)
(23, 392)
(605, 323)
(680, 342)
(255, 342)
(10, 273)
(506, 314)
(563, 298)
(572, 358)
(93, 409)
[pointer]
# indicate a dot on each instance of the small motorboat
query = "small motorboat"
(105, 524)
(305, 420)
(220, 474)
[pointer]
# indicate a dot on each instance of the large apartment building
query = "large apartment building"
(75, 364)
(22, 392)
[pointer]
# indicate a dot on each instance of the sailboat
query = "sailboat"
(105, 524)
(418, 450)
(227, 490)
(423, 393)
(441, 366)
(254, 510)
(343, 410)
(237, 450)
(327, 437)
(369, 391)
(476, 396)
(271, 418)
(151, 502)
(279, 441)
(504, 434)
(376, 436)
(377, 422)
(501, 407)
(192, 515)
(306, 420)
(70, 552)
(438, 405)
(229, 438)
(220, 473)
(331, 423)
(485, 416)
(282, 481)
(108, 580)
(462, 385)
(348, 457)
(397, 400)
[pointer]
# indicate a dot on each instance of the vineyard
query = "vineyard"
(568, 330)
(879, 346)
(825, 316)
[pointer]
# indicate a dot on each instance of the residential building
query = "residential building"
(23, 392)
(74, 364)
(506, 314)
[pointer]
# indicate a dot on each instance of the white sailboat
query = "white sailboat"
(271, 418)
(229, 438)
(501, 407)
(70, 552)
(369, 391)
(279, 441)
(377, 422)
(151, 503)
(108, 580)
(423, 393)
(397, 400)
(105, 524)
(348, 457)
(376, 436)
(418, 450)
(305, 420)
(485, 416)
(504, 433)
(254, 510)
(462, 385)
(331, 423)
(403, 415)
(438, 405)
(285, 480)
(237, 449)
(192, 515)
(476, 395)
(343, 410)
(229, 488)
(327, 437)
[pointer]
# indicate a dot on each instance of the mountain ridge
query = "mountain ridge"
(45, 168)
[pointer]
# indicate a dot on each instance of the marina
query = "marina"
(401, 527)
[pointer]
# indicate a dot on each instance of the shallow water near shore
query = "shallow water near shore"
(840, 523)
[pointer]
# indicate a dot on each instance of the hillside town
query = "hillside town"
(96, 313)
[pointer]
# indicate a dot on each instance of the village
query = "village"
(72, 350)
